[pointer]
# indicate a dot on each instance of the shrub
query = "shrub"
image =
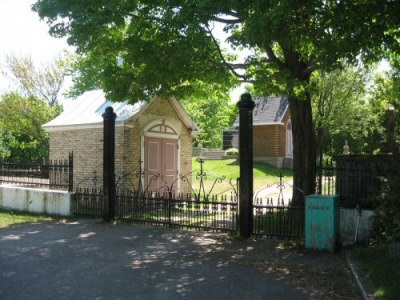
(231, 151)
(387, 214)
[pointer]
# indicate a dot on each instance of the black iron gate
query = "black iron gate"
(276, 216)
(201, 209)
(218, 213)
(278, 220)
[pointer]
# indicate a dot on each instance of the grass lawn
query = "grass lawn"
(8, 218)
(263, 173)
(383, 270)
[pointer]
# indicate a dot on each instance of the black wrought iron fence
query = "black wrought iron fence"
(184, 211)
(211, 203)
(53, 174)
(88, 202)
(219, 213)
(277, 216)
(206, 186)
(278, 219)
(201, 185)
(326, 180)
(354, 185)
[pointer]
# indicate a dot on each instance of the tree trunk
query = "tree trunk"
(304, 148)
(320, 134)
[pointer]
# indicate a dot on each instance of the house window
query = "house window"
(289, 140)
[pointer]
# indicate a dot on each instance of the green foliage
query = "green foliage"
(387, 215)
(341, 112)
(21, 118)
(209, 107)
(166, 43)
(232, 151)
(385, 93)
(43, 82)
(159, 48)
(6, 139)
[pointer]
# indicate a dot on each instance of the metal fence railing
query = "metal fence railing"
(54, 174)
(354, 186)
(215, 213)
(275, 219)
(219, 214)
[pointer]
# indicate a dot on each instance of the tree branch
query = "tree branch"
(233, 14)
(230, 66)
(272, 56)
(247, 81)
(239, 66)
(227, 21)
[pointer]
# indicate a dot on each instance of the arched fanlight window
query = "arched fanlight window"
(162, 128)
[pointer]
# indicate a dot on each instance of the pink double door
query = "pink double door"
(160, 163)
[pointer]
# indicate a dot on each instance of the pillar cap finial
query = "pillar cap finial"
(246, 101)
(109, 113)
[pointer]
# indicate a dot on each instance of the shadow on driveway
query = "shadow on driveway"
(91, 260)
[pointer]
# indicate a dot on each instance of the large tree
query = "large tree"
(21, 120)
(162, 45)
(341, 111)
(385, 92)
(42, 81)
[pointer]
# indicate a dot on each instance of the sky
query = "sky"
(23, 33)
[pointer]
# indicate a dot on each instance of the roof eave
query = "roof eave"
(72, 127)
(284, 113)
(268, 123)
(184, 116)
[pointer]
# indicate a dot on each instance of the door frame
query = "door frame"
(173, 134)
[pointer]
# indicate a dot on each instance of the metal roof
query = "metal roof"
(87, 110)
(89, 107)
(267, 110)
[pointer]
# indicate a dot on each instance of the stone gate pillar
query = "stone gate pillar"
(246, 106)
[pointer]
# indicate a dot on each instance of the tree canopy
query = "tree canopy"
(43, 82)
(385, 90)
(289, 39)
(212, 111)
(21, 118)
(341, 110)
(163, 45)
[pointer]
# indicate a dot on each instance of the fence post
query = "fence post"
(321, 163)
(246, 106)
(170, 207)
(109, 164)
(71, 172)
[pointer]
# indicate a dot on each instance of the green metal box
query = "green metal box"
(322, 223)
